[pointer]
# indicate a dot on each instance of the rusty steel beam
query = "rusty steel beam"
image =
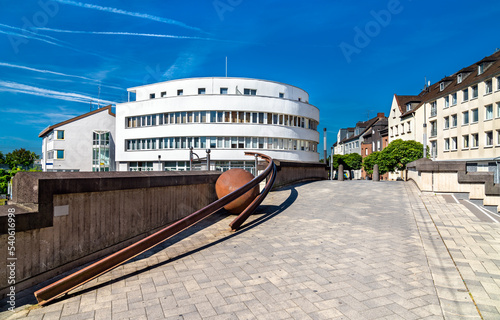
(96, 269)
(238, 221)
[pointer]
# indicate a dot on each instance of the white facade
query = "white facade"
(405, 122)
(84, 143)
(229, 116)
(469, 128)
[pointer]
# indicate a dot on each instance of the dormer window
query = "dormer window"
(459, 78)
(441, 86)
(480, 68)
(408, 107)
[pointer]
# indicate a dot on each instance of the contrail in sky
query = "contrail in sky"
(8, 86)
(129, 13)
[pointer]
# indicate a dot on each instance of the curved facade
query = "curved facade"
(229, 116)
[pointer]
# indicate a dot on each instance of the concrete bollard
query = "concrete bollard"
(376, 175)
(340, 174)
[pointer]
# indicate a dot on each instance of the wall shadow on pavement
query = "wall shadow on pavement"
(268, 212)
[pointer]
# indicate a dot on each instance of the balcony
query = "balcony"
(433, 111)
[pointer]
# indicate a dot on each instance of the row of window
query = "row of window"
(471, 116)
(246, 91)
(220, 117)
(185, 165)
(220, 143)
(467, 93)
(55, 154)
(471, 141)
(401, 129)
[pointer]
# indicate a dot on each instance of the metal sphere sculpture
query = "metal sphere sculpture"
(232, 180)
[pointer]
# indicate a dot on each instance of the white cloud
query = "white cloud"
(128, 13)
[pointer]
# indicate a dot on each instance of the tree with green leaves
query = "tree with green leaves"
(336, 160)
(399, 153)
(2, 158)
(20, 157)
(394, 157)
(353, 161)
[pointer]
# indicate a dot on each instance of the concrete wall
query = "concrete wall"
(451, 176)
(64, 220)
(292, 172)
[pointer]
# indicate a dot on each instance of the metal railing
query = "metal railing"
(96, 269)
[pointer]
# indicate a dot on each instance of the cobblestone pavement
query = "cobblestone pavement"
(322, 250)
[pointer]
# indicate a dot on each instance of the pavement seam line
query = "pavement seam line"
(408, 192)
(449, 253)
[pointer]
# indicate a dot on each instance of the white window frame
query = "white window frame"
(490, 106)
(488, 86)
(488, 141)
(446, 144)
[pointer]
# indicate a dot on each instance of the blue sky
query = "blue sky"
(351, 56)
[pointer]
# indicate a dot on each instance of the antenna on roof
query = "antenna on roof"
(98, 95)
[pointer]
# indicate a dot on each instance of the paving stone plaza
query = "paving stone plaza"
(320, 250)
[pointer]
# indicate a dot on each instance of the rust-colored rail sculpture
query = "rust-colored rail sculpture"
(96, 269)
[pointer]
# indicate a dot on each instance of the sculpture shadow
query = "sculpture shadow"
(268, 212)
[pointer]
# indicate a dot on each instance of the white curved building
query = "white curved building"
(226, 115)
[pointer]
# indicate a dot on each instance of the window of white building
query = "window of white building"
(250, 92)
(454, 99)
(465, 142)
(151, 96)
(223, 90)
(475, 115)
(475, 140)
(433, 109)
(201, 90)
(282, 95)
(465, 117)
(141, 166)
(446, 101)
(180, 92)
(488, 86)
(447, 144)
(488, 112)
(454, 121)
(465, 94)
(454, 143)
(60, 134)
(474, 92)
(489, 138)
(163, 94)
(446, 122)
(60, 154)
(459, 78)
